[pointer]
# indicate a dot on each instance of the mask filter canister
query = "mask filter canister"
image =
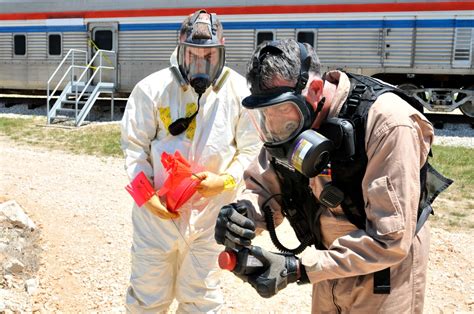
(310, 153)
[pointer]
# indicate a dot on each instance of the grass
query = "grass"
(456, 162)
(453, 208)
(94, 139)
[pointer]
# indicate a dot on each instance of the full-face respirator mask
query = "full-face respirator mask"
(200, 58)
(284, 118)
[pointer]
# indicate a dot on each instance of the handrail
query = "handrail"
(84, 77)
(97, 69)
(72, 66)
(64, 76)
(85, 88)
(51, 95)
(64, 60)
(91, 79)
(92, 61)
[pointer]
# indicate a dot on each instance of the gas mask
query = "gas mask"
(283, 119)
(201, 60)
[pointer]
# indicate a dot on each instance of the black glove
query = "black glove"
(278, 271)
(233, 229)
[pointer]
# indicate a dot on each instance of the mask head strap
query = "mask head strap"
(212, 27)
(305, 61)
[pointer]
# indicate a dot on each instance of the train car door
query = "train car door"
(398, 41)
(104, 36)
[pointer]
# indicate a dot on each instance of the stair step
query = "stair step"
(83, 98)
(72, 102)
(104, 86)
(74, 94)
(70, 99)
(66, 110)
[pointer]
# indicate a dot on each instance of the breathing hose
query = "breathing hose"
(307, 241)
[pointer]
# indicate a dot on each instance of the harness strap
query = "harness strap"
(364, 91)
(299, 205)
(382, 281)
(425, 213)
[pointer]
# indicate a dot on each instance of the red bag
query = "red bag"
(140, 189)
(180, 184)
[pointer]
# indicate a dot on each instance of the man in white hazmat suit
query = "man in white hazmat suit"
(193, 107)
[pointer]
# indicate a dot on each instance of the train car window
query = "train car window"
(104, 39)
(54, 44)
(306, 37)
(19, 45)
(263, 37)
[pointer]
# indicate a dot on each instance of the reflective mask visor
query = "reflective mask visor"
(201, 62)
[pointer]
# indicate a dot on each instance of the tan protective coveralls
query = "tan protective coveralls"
(177, 259)
(398, 141)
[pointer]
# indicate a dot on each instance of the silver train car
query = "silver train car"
(426, 47)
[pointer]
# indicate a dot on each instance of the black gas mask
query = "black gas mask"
(284, 118)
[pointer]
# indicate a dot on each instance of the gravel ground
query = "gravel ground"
(455, 135)
(85, 225)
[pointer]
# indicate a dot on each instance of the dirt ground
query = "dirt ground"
(84, 215)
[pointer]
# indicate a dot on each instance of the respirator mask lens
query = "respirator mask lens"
(277, 123)
(201, 65)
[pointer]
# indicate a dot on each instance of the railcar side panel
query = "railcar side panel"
(141, 53)
(410, 42)
(349, 47)
(433, 47)
(240, 45)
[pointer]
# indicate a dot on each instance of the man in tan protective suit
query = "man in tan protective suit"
(193, 107)
(360, 213)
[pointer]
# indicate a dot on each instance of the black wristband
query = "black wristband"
(303, 275)
(292, 268)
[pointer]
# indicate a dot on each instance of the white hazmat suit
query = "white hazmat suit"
(178, 258)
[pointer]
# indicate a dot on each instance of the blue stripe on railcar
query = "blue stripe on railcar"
(430, 23)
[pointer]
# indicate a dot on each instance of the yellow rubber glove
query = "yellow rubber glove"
(155, 206)
(213, 184)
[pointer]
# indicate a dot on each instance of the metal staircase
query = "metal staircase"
(79, 94)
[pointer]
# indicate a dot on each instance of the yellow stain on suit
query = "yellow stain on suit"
(165, 117)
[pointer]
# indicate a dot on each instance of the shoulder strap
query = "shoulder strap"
(364, 91)
(348, 175)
